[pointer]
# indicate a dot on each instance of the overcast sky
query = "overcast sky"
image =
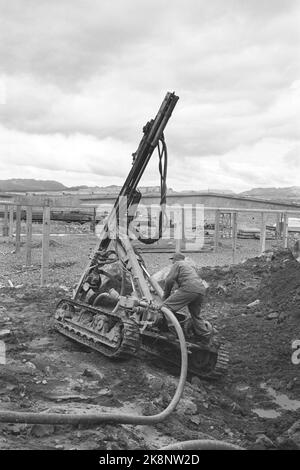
(80, 78)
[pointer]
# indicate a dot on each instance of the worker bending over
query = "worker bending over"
(190, 293)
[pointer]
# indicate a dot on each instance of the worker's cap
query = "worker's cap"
(177, 256)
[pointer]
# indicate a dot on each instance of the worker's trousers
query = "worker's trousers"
(193, 300)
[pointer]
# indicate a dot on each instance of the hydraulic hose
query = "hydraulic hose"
(202, 444)
(118, 418)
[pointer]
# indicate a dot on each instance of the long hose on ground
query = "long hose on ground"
(202, 444)
(119, 418)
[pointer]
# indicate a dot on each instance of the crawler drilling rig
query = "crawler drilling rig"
(116, 307)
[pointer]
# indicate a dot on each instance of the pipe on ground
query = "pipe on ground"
(202, 444)
(118, 418)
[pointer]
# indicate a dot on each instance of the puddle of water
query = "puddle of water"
(271, 414)
(281, 399)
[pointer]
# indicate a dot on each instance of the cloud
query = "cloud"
(292, 158)
(75, 153)
(83, 77)
(65, 41)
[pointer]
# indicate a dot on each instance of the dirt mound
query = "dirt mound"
(254, 406)
(281, 289)
(273, 279)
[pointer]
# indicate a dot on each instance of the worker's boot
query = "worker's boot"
(204, 331)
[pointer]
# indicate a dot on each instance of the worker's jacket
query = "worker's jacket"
(186, 278)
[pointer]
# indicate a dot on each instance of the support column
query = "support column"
(278, 226)
(183, 239)
(179, 228)
(285, 230)
(18, 229)
(234, 235)
(217, 230)
(45, 245)
(5, 222)
(263, 233)
(11, 222)
(93, 223)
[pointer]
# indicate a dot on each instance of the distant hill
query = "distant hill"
(290, 193)
(222, 191)
(23, 185)
(205, 191)
(78, 188)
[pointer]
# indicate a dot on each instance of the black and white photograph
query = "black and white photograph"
(149, 228)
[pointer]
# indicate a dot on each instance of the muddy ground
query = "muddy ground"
(257, 405)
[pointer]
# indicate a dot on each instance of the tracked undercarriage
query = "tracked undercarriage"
(123, 325)
(118, 336)
(116, 307)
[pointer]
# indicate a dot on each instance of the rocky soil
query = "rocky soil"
(255, 306)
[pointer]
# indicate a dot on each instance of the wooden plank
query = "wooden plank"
(11, 222)
(28, 234)
(239, 209)
(78, 204)
(170, 250)
(285, 230)
(183, 225)
(43, 201)
(93, 223)
(18, 229)
(234, 235)
(217, 231)
(263, 233)
(5, 222)
(45, 246)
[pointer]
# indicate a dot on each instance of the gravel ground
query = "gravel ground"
(46, 371)
(71, 244)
